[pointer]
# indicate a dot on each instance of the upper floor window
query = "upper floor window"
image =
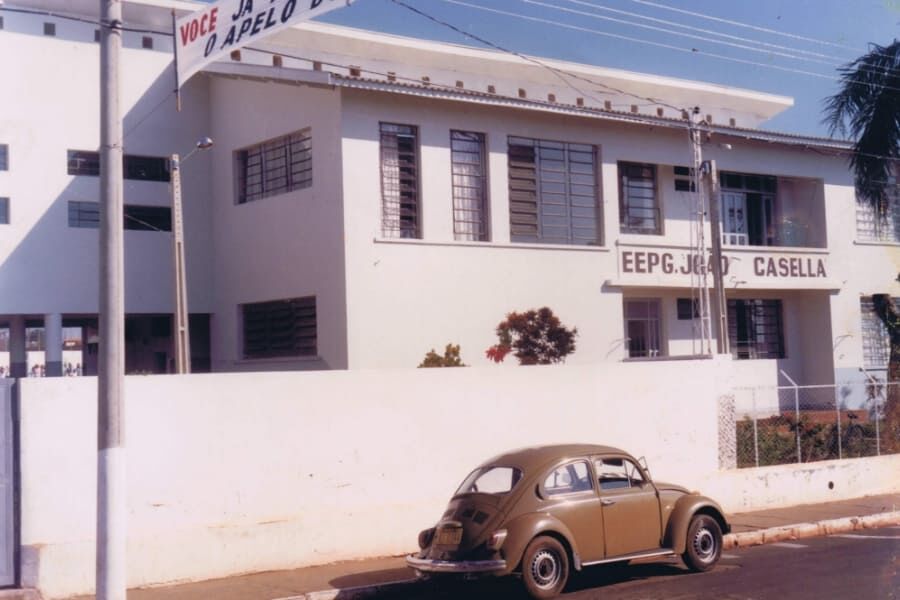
(873, 225)
(638, 199)
(49, 29)
(275, 167)
(400, 206)
(4, 157)
(4, 211)
(642, 327)
(553, 192)
(280, 328)
(139, 168)
(136, 218)
(469, 186)
(749, 214)
(876, 343)
(755, 329)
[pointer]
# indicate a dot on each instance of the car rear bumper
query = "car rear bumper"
(428, 565)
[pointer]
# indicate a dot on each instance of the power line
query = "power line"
(745, 25)
(56, 15)
(558, 72)
(672, 31)
(695, 51)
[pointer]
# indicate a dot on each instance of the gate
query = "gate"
(7, 487)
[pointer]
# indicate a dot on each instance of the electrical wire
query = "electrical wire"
(695, 51)
(532, 60)
(56, 15)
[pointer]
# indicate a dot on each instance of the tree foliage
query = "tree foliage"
(888, 312)
(449, 359)
(867, 106)
(536, 337)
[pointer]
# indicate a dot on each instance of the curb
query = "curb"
(808, 530)
(745, 539)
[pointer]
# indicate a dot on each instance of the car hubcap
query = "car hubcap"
(704, 545)
(545, 569)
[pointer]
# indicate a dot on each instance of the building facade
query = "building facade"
(369, 198)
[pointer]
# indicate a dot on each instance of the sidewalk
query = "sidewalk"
(301, 583)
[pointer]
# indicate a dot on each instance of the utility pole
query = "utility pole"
(111, 481)
(182, 333)
(719, 306)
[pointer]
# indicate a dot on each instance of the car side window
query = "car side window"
(617, 473)
(569, 478)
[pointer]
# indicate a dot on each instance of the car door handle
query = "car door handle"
(605, 502)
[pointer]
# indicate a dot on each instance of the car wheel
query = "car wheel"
(545, 568)
(704, 543)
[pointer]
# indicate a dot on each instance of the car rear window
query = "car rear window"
(490, 480)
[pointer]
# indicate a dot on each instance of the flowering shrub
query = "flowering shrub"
(536, 337)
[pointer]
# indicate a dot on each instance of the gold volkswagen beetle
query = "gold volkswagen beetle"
(540, 512)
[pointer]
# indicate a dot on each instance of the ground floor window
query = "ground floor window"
(280, 328)
(755, 329)
(642, 327)
(876, 343)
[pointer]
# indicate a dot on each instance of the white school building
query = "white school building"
(371, 197)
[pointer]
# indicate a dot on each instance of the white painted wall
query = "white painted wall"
(284, 246)
(235, 473)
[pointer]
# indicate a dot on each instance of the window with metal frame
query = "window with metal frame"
(873, 225)
(467, 158)
(134, 167)
(280, 328)
(876, 343)
(638, 199)
(275, 167)
(136, 218)
(148, 218)
(4, 210)
(84, 214)
(755, 329)
(4, 157)
(553, 192)
(750, 209)
(642, 327)
(400, 206)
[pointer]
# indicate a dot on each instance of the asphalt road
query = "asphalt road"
(860, 566)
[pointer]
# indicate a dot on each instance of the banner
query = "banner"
(220, 28)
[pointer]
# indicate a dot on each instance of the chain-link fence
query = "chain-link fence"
(798, 424)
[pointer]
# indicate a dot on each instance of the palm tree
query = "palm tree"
(867, 106)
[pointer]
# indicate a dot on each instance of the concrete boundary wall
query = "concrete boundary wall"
(236, 473)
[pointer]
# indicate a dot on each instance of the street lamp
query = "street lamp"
(181, 330)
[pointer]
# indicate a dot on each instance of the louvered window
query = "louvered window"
(400, 181)
(876, 344)
(873, 225)
(638, 200)
(469, 186)
(553, 192)
(755, 329)
(274, 167)
(281, 328)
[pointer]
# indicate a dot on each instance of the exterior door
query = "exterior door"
(630, 507)
(7, 487)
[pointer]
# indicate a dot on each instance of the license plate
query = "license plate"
(449, 537)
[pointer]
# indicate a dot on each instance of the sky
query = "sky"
(837, 31)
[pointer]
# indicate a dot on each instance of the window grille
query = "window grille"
(876, 344)
(875, 226)
(4, 157)
(84, 214)
(281, 328)
(638, 200)
(469, 186)
(400, 181)
(275, 167)
(4, 211)
(755, 329)
(684, 179)
(553, 192)
(642, 327)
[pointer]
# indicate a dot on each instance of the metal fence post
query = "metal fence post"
(876, 386)
(755, 430)
(797, 410)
